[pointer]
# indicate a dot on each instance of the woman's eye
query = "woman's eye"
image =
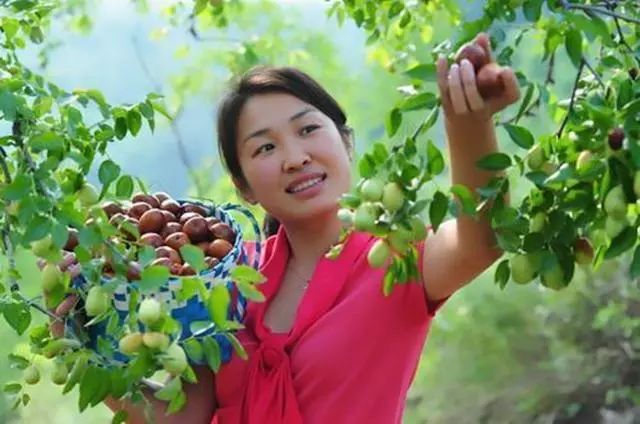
(264, 148)
(308, 128)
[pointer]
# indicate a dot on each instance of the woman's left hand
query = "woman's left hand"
(459, 88)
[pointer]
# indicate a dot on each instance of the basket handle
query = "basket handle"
(230, 207)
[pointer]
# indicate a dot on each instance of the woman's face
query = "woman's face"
(293, 157)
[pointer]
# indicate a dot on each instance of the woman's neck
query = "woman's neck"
(310, 240)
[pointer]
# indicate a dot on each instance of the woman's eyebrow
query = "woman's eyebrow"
(297, 115)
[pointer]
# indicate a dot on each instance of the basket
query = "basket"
(193, 309)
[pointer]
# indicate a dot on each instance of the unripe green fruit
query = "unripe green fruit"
(614, 226)
(131, 343)
(392, 197)
(418, 228)
(42, 247)
(156, 340)
(97, 302)
(584, 158)
(51, 277)
(346, 216)
(399, 240)
(175, 360)
(60, 373)
(522, 269)
(379, 254)
(56, 346)
(371, 190)
(536, 225)
(13, 208)
(88, 195)
(553, 277)
(549, 168)
(365, 217)
(535, 157)
(615, 203)
(150, 311)
(31, 375)
(636, 184)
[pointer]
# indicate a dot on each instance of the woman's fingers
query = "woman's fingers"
(510, 93)
(443, 86)
(456, 92)
(468, 76)
(483, 41)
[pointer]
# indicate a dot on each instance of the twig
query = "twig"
(38, 307)
(5, 167)
(593, 71)
(196, 34)
(573, 97)
(552, 62)
(182, 151)
(594, 9)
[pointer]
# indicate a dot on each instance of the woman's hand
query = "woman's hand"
(459, 88)
(68, 264)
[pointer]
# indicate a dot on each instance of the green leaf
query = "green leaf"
(623, 242)
(502, 274)
(170, 390)
(199, 7)
(134, 121)
(573, 44)
(124, 187)
(466, 197)
(177, 403)
(19, 188)
(250, 292)
(438, 209)
(237, 346)
(194, 350)
(212, 353)
(520, 135)
(435, 160)
(108, 172)
(494, 162)
(12, 388)
(366, 166)
(120, 417)
(424, 72)
(194, 256)
(247, 274)
(121, 128)
(218, 304)
(532, 9)
(152, 278)
(47, 141)
(90, 386)
(17, 315)
(190, 287)
(393, 121)
(8, 105)
(418, 101)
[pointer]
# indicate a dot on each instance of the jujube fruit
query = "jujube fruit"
(177, 240)
(583, 251)
(60, 373)
(169, 217)
(211, 220)
(584, 159)
(130, 343)
(156, 340)
(474, 54)
(187, 270)
(187, 216)
(168, 252)
(553, 277)
(365, 217)
(522, 269)
(190, 207)
(112, 208)
(392, 197)
(117, 219)
(613, 227)
(163, 261)
(31, 375)
(170, 228)
(489, 81)
(535, 157)
(51, 277)
(615, 203)
(138, 208)
(371, 190)
(378, 254)
(196, 228)
(42, 247)
(152, 239)
(97, 302)
(72, 240)
(219, 248)
(171, 206)
(88, 195)
(150, 311)
(221, 230)
(211, 261)
(134, 271)
(175, 360)
(161, 196)
(152, 221)
(146, 198)
(537, 223)
(616, 138)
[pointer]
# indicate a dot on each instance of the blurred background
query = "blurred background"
(518, 355)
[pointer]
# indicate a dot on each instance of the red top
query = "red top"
(350, 356)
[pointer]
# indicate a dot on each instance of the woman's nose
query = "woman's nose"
(295, 158)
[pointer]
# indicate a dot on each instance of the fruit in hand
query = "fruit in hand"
(523, 268)
(31, 375)
(583, 251)
(616, 138)
(489, 81)
(150, 311)
(97, 302)
(130, 343)
(615, 203)
(474, 54)
(392, 197)
(379, 254)
(174, 360)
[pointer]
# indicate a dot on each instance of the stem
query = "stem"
(595, 74)
(587, 8)
(4, 166)
(573, 97)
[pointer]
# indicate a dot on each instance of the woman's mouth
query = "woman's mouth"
(306, 185)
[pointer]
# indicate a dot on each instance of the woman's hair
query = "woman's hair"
(267, 80)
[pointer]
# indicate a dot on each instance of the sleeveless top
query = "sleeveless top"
(349, 357)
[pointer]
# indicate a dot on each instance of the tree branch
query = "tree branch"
(593, 71)
(4, 166)
(571, 102)
(595, 9)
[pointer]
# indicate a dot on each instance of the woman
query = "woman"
(326, 345)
